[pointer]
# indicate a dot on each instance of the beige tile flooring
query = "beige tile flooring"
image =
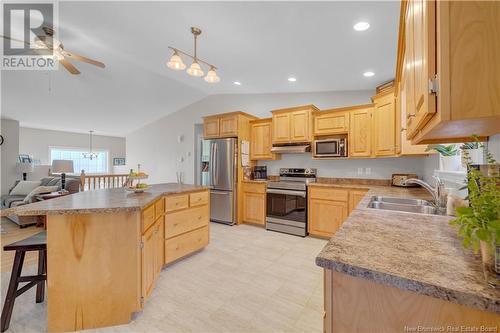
(247, 280)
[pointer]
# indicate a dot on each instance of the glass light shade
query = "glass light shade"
(176, 63)
(195, 69)
(212, 76)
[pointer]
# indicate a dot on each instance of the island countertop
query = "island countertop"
(100, 201)
(414, 252)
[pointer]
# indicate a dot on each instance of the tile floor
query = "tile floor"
(247, 280)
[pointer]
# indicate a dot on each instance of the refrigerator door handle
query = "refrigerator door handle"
(211, 165)
(216, 166)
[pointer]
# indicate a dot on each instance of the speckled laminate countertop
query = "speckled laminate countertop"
(414, 252)
(100, 201)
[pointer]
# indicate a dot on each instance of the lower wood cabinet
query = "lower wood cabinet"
(172, 227)
(329, 207)
(254, 203)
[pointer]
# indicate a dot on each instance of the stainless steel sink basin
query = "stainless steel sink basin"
(401, 201)
(404, 205)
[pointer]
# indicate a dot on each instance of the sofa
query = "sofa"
(7, 201)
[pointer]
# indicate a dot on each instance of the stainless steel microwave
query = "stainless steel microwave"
(333, 147)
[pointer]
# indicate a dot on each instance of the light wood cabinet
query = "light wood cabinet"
(254, 203)
(384, 125)
(226, 125)
(185, 224)
(148, 264)
(447, 98)
(211, 127)
(360, 132)
(355, 196)
(281, 128)
(260, 140)
(329, 122)
(293, 125)
(328, 208)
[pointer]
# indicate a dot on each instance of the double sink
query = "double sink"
(418, 206)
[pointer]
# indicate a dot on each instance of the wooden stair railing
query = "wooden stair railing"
(89, 182)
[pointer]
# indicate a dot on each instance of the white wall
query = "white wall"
(36, 142)
(494, 146)
(9, 153)
(156, 145)
(380, 168)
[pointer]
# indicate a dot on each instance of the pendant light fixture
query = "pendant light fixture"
(195, 69)
(90, 154)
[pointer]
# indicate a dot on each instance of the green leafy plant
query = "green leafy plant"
(450, 150)
(471, 145)
(480, 221)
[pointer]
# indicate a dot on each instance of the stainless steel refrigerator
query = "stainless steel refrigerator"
(219, 172)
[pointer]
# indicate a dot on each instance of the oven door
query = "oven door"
(325, 148)
(287, 211)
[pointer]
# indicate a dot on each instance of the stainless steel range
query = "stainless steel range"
(287, 201)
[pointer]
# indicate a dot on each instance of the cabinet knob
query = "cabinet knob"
(410, 115)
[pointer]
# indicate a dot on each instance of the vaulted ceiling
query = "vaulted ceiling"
(259, 44)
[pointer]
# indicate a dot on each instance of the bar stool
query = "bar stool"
(38, 243)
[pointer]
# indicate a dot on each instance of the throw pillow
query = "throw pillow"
(24, 187)
(39, 190)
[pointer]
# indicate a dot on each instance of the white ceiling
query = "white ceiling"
(259, 44)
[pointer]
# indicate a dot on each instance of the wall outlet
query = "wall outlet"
(368, 171)
(360, 171)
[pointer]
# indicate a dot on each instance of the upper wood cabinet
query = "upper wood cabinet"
(333, 121)
(384, 125)
(260, 140)
(451, 69)
(225, 125)
(254, 203)
(293, 125)
(360, 132)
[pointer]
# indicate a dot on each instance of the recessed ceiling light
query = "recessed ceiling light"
(238, 83)
(292, 79)
(361, 26)
(368, 74)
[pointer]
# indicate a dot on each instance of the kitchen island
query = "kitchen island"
(106, 249)
(388, 271)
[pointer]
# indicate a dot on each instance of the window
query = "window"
(97, 165)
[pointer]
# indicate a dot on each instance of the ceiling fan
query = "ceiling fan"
(48, 42)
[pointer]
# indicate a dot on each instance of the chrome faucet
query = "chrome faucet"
(437, 192)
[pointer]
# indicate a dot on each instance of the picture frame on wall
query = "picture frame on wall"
(24, 158)
(118, 161)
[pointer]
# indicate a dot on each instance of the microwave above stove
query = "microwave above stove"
(332, 147)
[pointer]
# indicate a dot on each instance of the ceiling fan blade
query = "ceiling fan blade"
(84, 59)
(72, 69)
(16, 40)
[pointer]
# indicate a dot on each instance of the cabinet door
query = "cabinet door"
(260, 148)
(422, 58)
(254, 207)
(148, 261)
(384, 126)
(228, 126)
(331, 123)
(325, 216)
(300, 126)
(354, 198)
(360, 133)
(211, 127)
(159, 245)
(281, 128)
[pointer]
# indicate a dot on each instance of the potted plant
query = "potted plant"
(479, 224)
(474, 151)
(450, 160)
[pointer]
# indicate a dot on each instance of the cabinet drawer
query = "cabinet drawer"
(326, 193)
(254, 188)
(148, 217)
(180, 222)
(159, 207)
(185, 244)
(198, 199)
(176, 202)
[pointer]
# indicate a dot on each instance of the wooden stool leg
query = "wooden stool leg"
(11, 291)
(40, 287)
